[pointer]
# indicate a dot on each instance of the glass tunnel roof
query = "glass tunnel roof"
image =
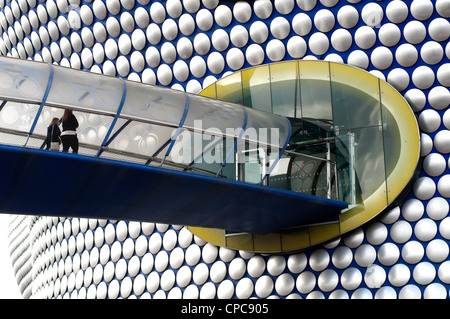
(130, 120)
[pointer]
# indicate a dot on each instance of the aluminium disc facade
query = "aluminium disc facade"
(188, 45)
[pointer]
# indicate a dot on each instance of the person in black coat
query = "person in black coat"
(69, 134)
(53, 135)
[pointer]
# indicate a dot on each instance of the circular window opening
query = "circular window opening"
(354, 138)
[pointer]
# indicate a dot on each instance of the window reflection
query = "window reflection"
(256, 88)
(285, 87)
(316, 100)
(353, 108)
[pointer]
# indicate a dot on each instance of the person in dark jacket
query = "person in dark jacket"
(53, 135)
(69, 133)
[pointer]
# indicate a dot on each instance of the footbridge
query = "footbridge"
(147, 153)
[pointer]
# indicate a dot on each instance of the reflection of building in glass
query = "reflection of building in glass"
(188, 45)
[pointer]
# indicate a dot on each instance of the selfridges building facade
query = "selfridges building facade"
(189, 45)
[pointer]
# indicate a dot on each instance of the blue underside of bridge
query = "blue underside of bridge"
(48, 183)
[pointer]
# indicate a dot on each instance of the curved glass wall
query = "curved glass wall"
(344, 142)
(350, 136)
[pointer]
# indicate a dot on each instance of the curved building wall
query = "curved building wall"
(188, 45)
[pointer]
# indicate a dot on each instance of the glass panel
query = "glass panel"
(285, 89)
(215, 153)
(316, 93)
(308, 132)
(87, 150)
(36, 142)
(154, 103)
(356, 98)
(158, 157)
(85, 90)
(206, 114)
(228, 148)
(279, 177)
(92, 127)
(355, 78)
(392, 143)
(23, 79)
(256, 88)
(120, 125)
(12, 139)
(360, 163)
(141, 138)
(208, 153)
(229, 88)
(46, 116)
(197, 148)
(312, 170)
(18, 116)
(264, 128)
(401, 155)
(122, 157)
(251, 163)
(354, 108)
(184, 148)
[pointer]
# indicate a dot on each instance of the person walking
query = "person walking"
(53, 135)
(69, 133)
